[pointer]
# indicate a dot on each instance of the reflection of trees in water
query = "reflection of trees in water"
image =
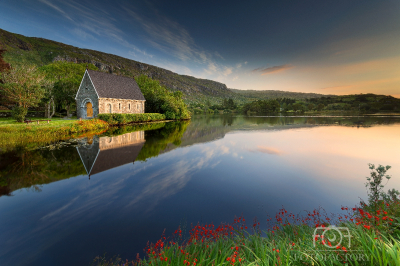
(158, 140)
(28, 169)
(228, 120)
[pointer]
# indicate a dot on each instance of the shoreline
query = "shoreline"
(13, 134)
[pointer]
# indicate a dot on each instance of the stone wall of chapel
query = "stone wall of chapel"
(121, 140)
(86, 93)
(120, 106)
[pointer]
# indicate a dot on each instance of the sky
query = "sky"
(329, 47)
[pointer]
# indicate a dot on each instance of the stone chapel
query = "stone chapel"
(101, 93)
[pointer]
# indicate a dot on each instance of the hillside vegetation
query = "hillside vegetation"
(273, 94)
(40, 52)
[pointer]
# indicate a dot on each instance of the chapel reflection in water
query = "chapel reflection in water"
(99, 154)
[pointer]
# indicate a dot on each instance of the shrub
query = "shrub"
(19, 113)
(161, 100)
(121, 119)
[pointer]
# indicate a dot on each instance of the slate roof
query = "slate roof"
(113, 86)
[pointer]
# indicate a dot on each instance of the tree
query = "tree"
(160, 100)
(297, 106)
(274, 106)
(284, 107)
(229, 104)
(320, 107)
(66, 77)
(311, 107)
(65, 91)
(24, 86)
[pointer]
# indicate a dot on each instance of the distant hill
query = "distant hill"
(41, 51)
(272, 94)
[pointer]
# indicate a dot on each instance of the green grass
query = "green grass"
(14, 134)
(55, 121)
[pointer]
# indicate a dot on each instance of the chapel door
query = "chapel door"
(89, 109)
(109, 108)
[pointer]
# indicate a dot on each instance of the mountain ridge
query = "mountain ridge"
(40, 51)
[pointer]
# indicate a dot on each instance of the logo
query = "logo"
(331, 236)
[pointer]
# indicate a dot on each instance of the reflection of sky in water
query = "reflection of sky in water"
(247, 172)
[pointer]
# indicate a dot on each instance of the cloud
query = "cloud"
(227, 71)
(235, 78)
(59, 210)
(238, 65)
(274, 69)
(82, 34)
(169, 36)
(218, 55)
(57, 8)
(139, 51)
(212, 69)
(172, 38)
(266, 150)
(92, 21)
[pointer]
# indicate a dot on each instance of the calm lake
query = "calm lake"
(145, 179)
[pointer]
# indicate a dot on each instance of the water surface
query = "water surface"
(66, 204)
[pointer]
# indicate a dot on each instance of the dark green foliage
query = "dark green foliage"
(262, 106)
(320, 107)
(157, 141)
(23, 168)
(67, 77)
(19, 113)
(229, 104)
(160, 100)
(365, 103)
(114, 131)
(121, 119)
(298, 107)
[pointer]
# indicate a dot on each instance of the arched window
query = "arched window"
(119, 106)
(129, 106)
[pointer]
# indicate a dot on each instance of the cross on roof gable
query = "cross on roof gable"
(113, 86)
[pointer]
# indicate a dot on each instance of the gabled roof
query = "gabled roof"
(113, 86)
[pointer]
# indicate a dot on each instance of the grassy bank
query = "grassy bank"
(365, 235)
(13, 134)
